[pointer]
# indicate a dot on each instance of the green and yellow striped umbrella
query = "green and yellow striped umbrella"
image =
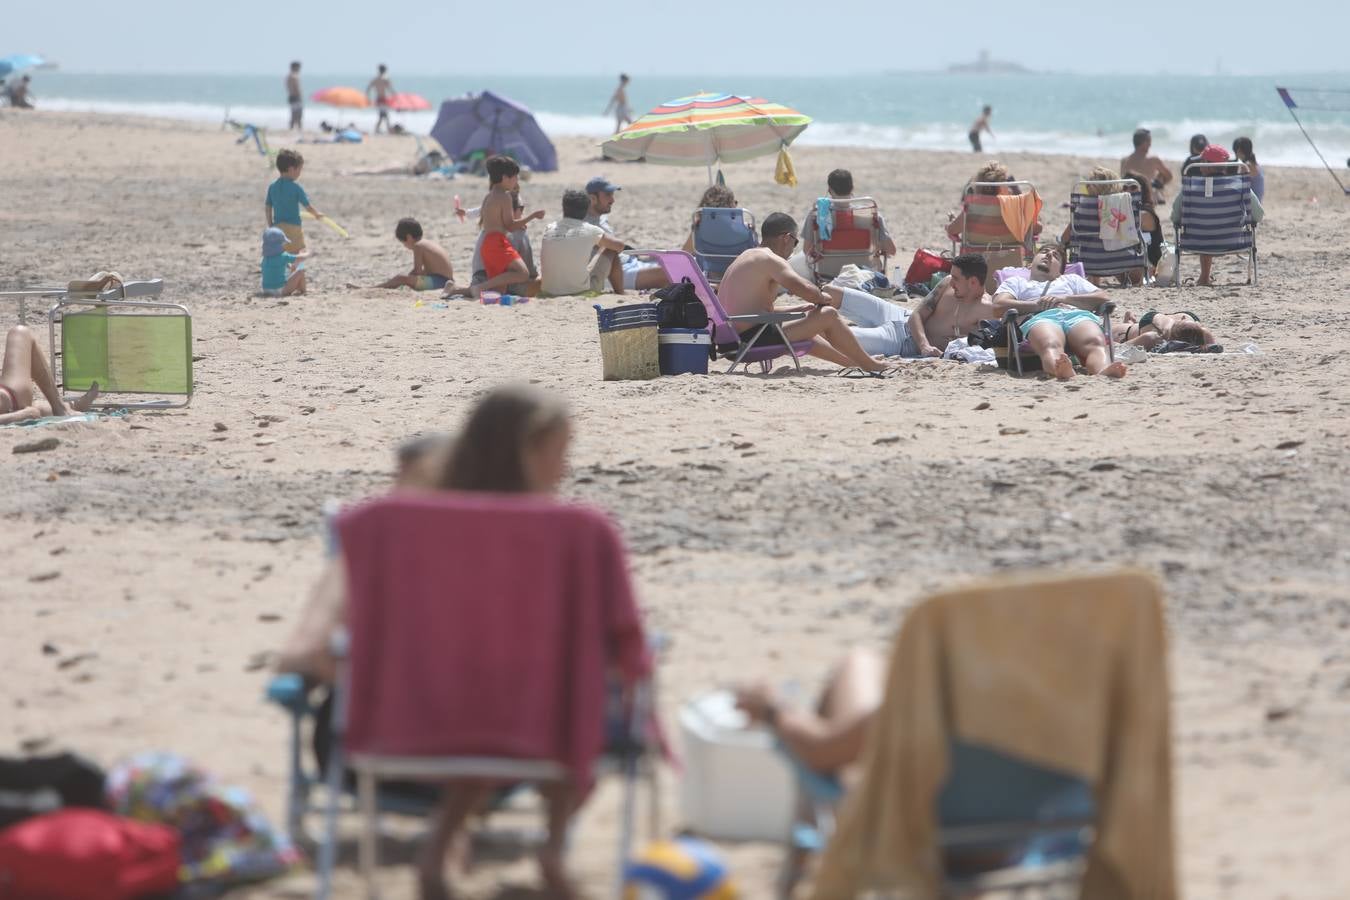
(708, 128)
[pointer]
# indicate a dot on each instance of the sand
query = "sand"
(774, 521)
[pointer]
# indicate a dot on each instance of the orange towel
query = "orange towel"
(1020, 212)
(1068, 673)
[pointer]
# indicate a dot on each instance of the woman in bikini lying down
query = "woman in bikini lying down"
(23, 365)
(1155, 328)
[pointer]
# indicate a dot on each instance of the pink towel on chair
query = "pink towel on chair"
(484, 624)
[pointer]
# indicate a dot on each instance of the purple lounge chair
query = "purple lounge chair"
(727, 341)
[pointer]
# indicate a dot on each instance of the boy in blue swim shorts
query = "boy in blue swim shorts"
(1060, 314)
(431, 269)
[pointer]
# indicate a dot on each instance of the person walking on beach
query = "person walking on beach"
(295, 98)
(623, 113)
(382, 88)
(979, 125)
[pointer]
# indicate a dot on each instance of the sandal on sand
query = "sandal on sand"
(859, 372)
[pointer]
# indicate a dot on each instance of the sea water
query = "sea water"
(1083, 115)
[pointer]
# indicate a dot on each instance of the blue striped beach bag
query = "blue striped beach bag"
(629, 350)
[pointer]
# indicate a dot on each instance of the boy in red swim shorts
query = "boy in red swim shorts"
(502, 263)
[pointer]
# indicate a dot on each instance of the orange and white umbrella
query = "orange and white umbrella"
(341, 96)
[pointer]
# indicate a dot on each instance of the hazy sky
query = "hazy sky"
(681, 37)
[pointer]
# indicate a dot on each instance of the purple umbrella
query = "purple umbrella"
(486, 122)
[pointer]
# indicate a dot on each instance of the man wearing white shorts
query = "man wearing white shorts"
(622, 271)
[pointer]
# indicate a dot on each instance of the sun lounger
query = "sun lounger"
(721, 235)
(1023, 740)
(727, 340)
(1216, 215)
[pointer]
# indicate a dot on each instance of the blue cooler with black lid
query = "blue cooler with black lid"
(684, 351)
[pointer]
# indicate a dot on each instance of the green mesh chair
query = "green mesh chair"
(131, 348)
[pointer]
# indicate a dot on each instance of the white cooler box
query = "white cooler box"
(735, 785)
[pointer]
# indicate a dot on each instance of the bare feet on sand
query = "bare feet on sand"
(1061, 366)
(1116, 369)
(82, 403)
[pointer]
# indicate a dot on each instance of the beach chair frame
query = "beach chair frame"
(727, 341)
(706, 254)
(1014, 354)
(1244, 230)
(1085, 242)
(821, 251)
(131, 289)
(121, 310)
(632, 759)
(962, 243)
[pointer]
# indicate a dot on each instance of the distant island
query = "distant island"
(986, 66)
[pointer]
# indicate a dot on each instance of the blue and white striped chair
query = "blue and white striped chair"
(1216, 214)
(1085, 241)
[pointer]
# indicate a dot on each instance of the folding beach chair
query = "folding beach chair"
(762, 344)
(1085, 240)
(984, 231)
(1023, 744)
(855, 238)
(1014, 354)
(130, 347)
(721, 235)
(1216, 214)
(134, 290)
(436, 686)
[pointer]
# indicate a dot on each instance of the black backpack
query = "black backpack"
(678, 306)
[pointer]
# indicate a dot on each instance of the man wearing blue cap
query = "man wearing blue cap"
(621, 270)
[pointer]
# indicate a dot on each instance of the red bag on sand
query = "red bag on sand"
(87, 854)
(926, 264)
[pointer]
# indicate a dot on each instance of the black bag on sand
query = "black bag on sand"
(40, 784)
(678, 306)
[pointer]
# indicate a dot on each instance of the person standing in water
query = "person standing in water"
(382, 88)
(295, 98)
(979, 125)
(623, 113)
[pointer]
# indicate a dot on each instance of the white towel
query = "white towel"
(1116, 212)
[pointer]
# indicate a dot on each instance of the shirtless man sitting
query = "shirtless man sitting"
(1151, 168)
(755, 278)
(22, 365)
(1061, 318)
(953, 309)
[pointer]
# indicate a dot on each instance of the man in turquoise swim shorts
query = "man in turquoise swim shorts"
(1061, 320)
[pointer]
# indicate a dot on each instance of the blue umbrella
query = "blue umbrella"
(487, 121)
(19, 61)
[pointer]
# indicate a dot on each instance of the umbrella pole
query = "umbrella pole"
(710, 181)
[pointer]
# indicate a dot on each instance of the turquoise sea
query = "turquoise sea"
(1046, 113)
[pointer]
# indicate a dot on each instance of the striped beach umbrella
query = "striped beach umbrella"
(708, 128)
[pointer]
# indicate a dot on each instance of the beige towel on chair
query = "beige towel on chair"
(89, 288)
(1066, 672)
